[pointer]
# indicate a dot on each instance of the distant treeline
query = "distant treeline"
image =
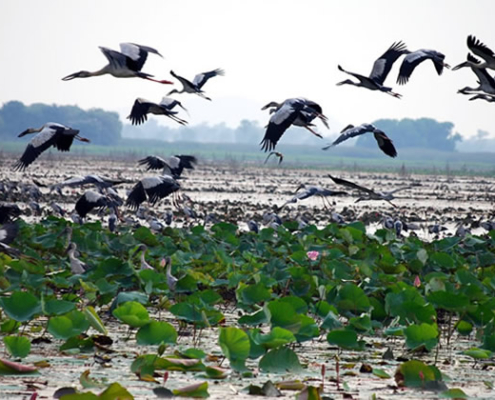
(101, 127)
(105, 128)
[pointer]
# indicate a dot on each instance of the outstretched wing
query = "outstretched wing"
(136, 54)
(383, 65)
(200, 79)
(153, 162)
(139, 111)
(385, 143)
(350, 132)
(351, 185)
(479, 48)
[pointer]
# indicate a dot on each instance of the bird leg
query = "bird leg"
(397, 95)
(82, 139)
(165, 82)
(279, 155)
(313, 132)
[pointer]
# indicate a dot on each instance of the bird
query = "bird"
(154, 188)
(384, 142)
(8, 211)
(77, 267)
(295, 111)
(173, 165)
(143, 107)
(50, 134)
(487, 97)
(279, 155)
(101, 182)
(90, 200)
(8, 233)
(124, 64)
(143, 248)
(253, 226)
(370, 194)
(171, 280)
(197, 83)
(381, 69)
(310, 191)
(414, 58)
(481, 50)
(485, 80)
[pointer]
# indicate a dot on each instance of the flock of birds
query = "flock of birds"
(298, 111)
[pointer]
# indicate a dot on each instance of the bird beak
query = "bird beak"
(446, 65)
(71, 76)
(28, 131)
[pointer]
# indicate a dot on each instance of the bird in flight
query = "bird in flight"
(384, 142)
(143, 107)
(414, 58)
(381, 69)
(197, 83)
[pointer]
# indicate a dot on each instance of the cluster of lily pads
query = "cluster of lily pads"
(289, 286)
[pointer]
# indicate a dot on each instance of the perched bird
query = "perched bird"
(414, 58)
(143, 107)
(381, 69)
(197, 83)
(481, 50)
(90, 200)
(77, 267)
(124, 64)
(112, 221)
(310, 191)
(295, 111)
(370, 194)
(173, 165)
(154, 188)
(384, 142)
(143, 248)
(50, 134)
(485, 80)
(168, 217)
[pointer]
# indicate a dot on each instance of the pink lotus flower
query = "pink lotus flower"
(313, 255)
(417, 282)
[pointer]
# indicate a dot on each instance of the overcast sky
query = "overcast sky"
(270, 50)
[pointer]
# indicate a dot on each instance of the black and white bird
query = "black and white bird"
(485, 80)
(50, 134)
(198, 82)
(173, 166)
(414, 58)
(143, 107)
(381, 69)
(152, 188)
(370, 194)
(8, 233)
(124, 64)
(384, 142)
(8, 211)
(93, 200)
(308, 191)
(295, 111)
(481, 50)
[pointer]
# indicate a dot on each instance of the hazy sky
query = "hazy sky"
(270, 50)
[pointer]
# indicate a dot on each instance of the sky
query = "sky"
(270, 50)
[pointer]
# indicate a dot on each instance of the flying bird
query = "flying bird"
(101, 182)
(370, 194)
(142, 107)
(172, 166)
(50, 134)
(296, 111)
(310, 191)
(279, 155)
(381, 68)
(8, 211)
(152, 188)
(485, 80)
(384, 142)
(124, 64)
(481, 50)
(414, 58)
(91, 199)
(197, 83)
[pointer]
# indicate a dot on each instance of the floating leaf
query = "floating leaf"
(235, 346)
(280, 361)
(17, 346)
(156, 332)
(199, 390)
(478, 354)
(132, 313)
(415, 373)
(21, 306)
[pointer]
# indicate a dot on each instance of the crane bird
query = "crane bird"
(485, 80)
(384, 142)
(172, 166)
(171, 280)
(50, 134)
(481, 50)
(124, 64)
(370, 194)
(197, 83)
(154, 188)
(77, 267)
(381, 68)
(142, 107)
(296, 111)
(414, 58)
(91, 199)
(310, 191)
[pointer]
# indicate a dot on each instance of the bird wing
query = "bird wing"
(279, 123)
(157, 190)
(485, 79)
(385, 143)
(169, 103)
(88, 201)
(136, 54)
(185, 82)
(479, 48)
(399, 189)
(412, 60)
(383, 65)
(136, 196)
(37, 145)
(116, 59)
(153, 162)
(200, 79)
(351, 131)
(139, 111)
(64, 137)
(187, 161)
(8, 232)
(351, 185)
